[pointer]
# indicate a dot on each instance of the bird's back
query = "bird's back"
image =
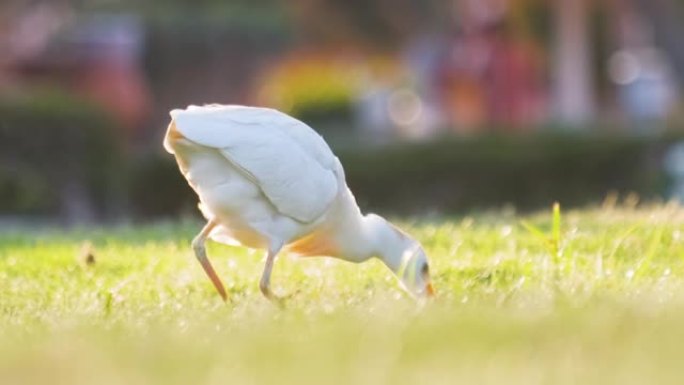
(217, 126)
(230, 153)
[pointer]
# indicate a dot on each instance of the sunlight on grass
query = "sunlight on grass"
(591, 296)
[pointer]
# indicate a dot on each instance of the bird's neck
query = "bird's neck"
(372, 237)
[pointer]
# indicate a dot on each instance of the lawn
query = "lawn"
(591, 297)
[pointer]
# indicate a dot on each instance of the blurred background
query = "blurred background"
(435, 107)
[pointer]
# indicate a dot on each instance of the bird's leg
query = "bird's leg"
(201, 254)
(265, 283)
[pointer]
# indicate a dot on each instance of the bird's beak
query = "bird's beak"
(430, 290)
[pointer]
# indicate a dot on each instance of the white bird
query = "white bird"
(266, 180)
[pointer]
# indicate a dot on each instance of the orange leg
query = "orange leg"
(201, 254)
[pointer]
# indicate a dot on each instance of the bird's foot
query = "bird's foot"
(280, 300)
(275, 299)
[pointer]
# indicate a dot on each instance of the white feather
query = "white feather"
(288, 161)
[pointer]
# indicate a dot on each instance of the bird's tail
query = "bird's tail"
(171, 136)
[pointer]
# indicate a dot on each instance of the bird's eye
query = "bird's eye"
(425, 270)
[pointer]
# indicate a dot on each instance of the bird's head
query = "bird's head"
(403, 255)
(414, 271)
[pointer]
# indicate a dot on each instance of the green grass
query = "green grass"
(590, 297)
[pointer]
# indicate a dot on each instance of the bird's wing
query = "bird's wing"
(290, 162)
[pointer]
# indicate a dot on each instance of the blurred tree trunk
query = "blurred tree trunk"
(573, 88)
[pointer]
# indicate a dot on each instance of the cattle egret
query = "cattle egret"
(266, 180)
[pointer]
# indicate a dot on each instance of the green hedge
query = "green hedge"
(157, 188)
(51, 141)
(453, 175)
